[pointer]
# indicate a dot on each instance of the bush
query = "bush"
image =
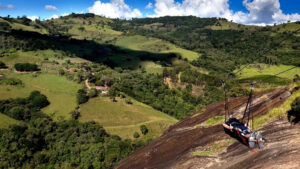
(61, 72)
(75, 114)
(294, 113)
(26, 67)
(38, 100)
(136, 135)
(93, 93)
(128, 101)
(11, 81)
(144, 129)
(82, 96)
(2, 65)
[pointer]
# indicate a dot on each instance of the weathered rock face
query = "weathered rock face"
(173, 149)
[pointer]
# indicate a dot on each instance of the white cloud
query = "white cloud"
(149, 6)
(33, 18)
(9, 6)
(114, 9)
(202, 8)
(264, 12)
(260, 12)
(50, 8)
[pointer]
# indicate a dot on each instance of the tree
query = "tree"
(136, 135)
(82, 96)
(38, 100)
(144, 129)
(2, 65)
(26, 67)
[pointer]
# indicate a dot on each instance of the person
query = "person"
(235, 124)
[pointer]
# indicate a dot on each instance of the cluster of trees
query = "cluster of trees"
(40, 142)
(151, 89)
(24, 108)
(26, 67)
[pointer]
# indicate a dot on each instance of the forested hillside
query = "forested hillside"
(86, 91)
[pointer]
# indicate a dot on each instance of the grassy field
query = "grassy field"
(6, 121)
(151, 67)
(262, 69)
(138, 42)
(124, 119)
(60, 92)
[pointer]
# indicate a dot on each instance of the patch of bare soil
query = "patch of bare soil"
(174, 149)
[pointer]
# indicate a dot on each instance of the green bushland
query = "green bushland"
(42, 142)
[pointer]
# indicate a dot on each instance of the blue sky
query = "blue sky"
(241, 11)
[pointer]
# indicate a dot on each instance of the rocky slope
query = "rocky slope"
(177, 146)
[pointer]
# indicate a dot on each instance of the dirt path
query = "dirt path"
(87, 85)
(173, 149)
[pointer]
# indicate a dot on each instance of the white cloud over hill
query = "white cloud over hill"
(114, 9)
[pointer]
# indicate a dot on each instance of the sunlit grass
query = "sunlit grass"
(214, 121)
(263, 69)
(6, 121)
(124, 119)
(276, 113)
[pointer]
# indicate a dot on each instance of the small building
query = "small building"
(103, 89)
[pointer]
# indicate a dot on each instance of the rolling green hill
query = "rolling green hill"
(155, 72)
(124, 119)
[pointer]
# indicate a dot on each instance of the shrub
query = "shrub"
(2, 65)
(144, 129)
(136, 135)
(128, 101)
(93, 93)
(82, 96)
(75, 114)
(38, 100)
(26, 67)
(11, 81)
(294, 113)
(61, 72)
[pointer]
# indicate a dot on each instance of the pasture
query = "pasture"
(124, 119)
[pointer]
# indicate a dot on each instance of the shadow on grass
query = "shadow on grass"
(110, 55)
